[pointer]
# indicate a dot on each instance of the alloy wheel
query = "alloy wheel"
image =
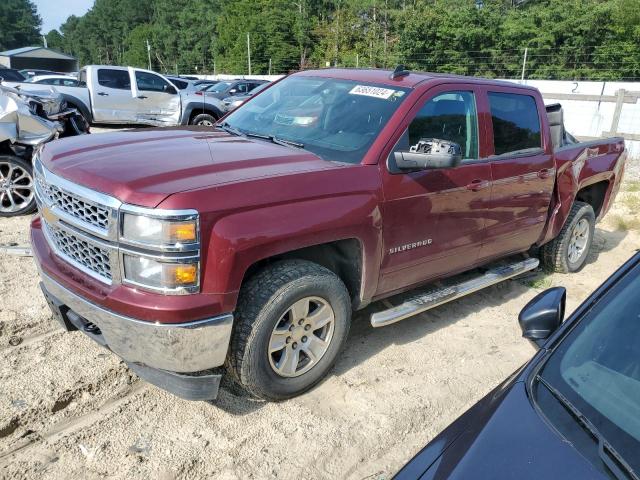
(579, 241)
(301, 337)
(16, 187)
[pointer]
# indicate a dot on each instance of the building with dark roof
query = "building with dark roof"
(38, 58)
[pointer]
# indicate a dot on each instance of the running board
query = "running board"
(434, 298)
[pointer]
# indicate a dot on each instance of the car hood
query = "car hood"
(145, 166)
(501, 437)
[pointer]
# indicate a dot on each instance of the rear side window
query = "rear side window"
(516, 124)
(118, 79)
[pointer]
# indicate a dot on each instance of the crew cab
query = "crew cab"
(125, 95)
(243, 249)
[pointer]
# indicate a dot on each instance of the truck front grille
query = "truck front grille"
(80, 252)
(78, 208)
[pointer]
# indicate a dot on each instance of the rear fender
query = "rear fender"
(578, 168)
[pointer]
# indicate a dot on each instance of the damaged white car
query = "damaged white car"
(28, 120)
(114, 95)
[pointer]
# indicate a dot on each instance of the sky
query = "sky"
(55, 12)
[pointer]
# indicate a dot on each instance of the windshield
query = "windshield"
(335, 119)
(597, 367)
(218, 87)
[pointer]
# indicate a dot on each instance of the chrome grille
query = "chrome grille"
(78, 208)
(81, 252)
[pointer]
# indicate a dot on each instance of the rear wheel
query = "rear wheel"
(568, 252)
(16, 187)
(204, 119)
(291, 323)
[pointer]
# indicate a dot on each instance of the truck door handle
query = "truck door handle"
(544, 173)
(477, 185)
(102, 94)
(141, 96)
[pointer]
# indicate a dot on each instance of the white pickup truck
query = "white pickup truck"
(127, 95)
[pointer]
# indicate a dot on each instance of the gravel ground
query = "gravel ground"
(69, 409)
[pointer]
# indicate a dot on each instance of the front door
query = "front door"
(434, 219)
(158, 102)
(522, 169)
(112, 97)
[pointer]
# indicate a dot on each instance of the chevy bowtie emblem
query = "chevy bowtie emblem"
(48, 215)
(410, 246)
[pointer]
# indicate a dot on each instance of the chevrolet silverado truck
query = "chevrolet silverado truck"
(243, 249)
(126, 95)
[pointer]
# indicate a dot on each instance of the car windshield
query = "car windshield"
(597, 367)
(218, 87)
(337, 120)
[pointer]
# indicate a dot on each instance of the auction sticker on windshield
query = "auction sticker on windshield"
(376, 92)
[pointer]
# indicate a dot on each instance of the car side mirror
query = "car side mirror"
(170, 90)
(429, 153)
(543, 315)
(233, 91)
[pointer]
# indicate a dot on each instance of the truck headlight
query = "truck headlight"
(160, 232)
(160, 275)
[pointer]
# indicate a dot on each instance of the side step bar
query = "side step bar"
(434, 298)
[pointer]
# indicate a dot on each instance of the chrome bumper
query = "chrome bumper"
(184, 347)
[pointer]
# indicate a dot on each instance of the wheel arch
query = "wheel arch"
(594, 195)
(194, 109)
(74, 102)
(343, 257)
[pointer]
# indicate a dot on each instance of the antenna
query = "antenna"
(399, 72)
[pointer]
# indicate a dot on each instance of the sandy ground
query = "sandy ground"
(69, 409)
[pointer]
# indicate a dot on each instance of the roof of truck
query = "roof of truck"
(383, 76)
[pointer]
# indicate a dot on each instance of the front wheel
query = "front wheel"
(204, 119)
(16, 187)
(291, 323)
(568, 252)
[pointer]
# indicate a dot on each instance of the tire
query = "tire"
(556, 256)
(16, 187)
(205, 119)
(265, 311)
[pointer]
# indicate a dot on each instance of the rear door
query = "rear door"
(434, 220)
(157, 101)
(111, 96)
(522, 168)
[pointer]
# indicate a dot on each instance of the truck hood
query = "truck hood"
(145, 166)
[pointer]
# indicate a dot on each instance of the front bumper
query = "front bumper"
(163, 354)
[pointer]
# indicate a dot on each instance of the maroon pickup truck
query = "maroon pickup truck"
(243, 249)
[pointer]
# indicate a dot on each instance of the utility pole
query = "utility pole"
(149, 53)
(357, 60)
(269, 65)
(44, 39)
(524, 63)
(249, 52)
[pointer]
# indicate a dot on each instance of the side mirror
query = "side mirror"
(543, 315)
(233, 91)
(429, 154)
(170, 90)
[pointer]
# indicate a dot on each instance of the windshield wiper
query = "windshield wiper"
(620, 468)
(276, 140)
(229, 129)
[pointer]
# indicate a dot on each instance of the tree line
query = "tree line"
(565, 39)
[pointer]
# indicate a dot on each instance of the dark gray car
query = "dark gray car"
(228, 88)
